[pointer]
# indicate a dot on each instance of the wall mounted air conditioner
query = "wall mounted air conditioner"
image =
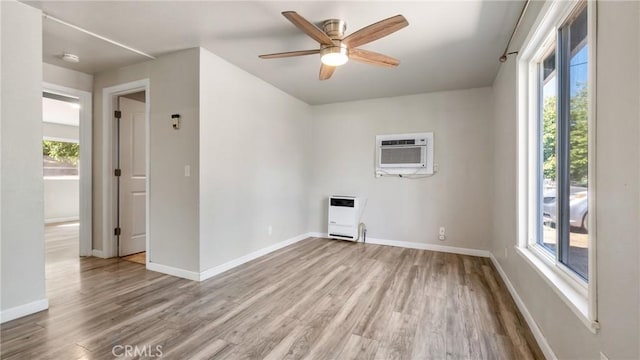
(344, 215)
(404, 154)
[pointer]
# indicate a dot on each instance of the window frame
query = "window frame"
(537, 66)
(575, 291)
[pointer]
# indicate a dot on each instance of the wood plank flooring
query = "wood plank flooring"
(317, 299)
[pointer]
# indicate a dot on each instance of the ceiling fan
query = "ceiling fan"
(336, 49)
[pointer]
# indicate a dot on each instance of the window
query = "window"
(556, 133)
(60, 158)
(563, 146)
(60, 128)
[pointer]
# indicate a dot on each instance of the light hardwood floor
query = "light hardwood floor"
(317, 299)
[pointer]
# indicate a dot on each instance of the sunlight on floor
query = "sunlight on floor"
(140, 258)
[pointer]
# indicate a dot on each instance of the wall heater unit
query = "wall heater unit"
(344, 213)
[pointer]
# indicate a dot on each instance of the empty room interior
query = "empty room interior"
(320, 179)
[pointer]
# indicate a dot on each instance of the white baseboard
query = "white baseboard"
(317, 235)
(251, 256)
(537, 333)
(173, 271)
(98, 253)
(23, 310)
(431, 247)
(192, 275)
(420, 246)
(61, 220)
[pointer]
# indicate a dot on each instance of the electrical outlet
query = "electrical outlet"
(270, 230)
(441, 234)
(506, 253)
(187, 170)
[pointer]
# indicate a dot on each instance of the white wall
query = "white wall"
(23, 281)
(617, 194)
(254, 163)
(457, 197)
(173, 217)
(61, 199)
(188, 220)
(57, 75)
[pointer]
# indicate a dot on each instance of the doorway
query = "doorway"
(66, 149)
(121, 153)
(61, 177)
(131, 176)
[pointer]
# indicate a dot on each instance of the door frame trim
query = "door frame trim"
(109, 244)
(86, 175)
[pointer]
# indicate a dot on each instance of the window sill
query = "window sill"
(574, 299)
(62, 177)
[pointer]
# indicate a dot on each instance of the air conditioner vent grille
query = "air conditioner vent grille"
(401, 155)
(399, 142)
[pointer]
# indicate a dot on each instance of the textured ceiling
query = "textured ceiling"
(447, 45)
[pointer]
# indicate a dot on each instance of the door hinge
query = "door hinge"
(117, 231)
(118, 172)
(117, 114)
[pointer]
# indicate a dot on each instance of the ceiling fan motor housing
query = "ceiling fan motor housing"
(335, 28)
(337, 54)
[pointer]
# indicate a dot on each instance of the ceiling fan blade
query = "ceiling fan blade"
(289, 54)
(373, 58)
(308, 28)
(375, 31)
(326, 71)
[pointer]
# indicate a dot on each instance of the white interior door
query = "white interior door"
(133, 177)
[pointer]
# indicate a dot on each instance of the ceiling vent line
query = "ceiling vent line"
(503, 58)
(113, 42)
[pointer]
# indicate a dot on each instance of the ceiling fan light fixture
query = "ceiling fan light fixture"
(336, 49)
(334, 55)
